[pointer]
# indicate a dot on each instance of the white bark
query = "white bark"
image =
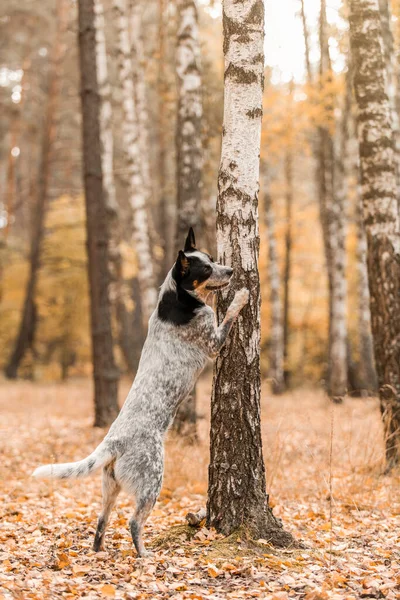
(333, 218)
(190, 112)
(392, 79)
(132, 149)
(237, 475)
(381, 212)
(139, 81)
(105, 117)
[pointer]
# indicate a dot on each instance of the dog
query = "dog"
(182, 336)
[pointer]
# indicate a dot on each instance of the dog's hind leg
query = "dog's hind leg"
(136, 523)
(111, 489)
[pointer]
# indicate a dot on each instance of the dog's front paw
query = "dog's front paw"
(241, 299)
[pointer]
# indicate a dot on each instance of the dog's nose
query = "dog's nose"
(229, 271)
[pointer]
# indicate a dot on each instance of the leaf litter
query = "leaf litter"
(347, 513)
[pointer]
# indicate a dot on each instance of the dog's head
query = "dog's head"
(196, 271)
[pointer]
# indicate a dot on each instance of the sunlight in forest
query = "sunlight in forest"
(199, 299)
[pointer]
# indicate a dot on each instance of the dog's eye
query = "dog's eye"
(211, 258)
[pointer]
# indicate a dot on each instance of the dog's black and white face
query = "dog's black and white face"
(197, 273)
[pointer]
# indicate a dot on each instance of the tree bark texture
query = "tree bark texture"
(188, 156)
(105, 372)
(189, 122)
(277, 335)
(131, 332)
(162, 84)
(116, 287)
(380, 209)
(392, 81)
(106, 133)
(236, 493)
(332, 213)
(132, 149)
(26, 331)
(366, 370)
(139, 81)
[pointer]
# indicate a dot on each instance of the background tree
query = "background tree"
(289, 177)
(332, 219)
(188, 155)
(380, 208)
(236, 494)
(366, 372)
(26, 332)
(276, 350)
(105, 372)
(132, 149)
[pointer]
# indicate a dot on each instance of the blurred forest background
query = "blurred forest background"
(42, 213)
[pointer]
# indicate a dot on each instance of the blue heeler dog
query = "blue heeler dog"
(182, 335)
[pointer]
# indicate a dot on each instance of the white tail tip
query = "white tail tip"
(45, 472)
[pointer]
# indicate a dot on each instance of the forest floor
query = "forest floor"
(335, 500)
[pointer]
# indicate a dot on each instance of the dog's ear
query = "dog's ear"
(190, 243)
(182, 264)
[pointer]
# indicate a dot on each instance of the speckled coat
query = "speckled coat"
(182, 336)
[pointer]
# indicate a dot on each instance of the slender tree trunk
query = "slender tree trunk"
(105, 117)
(139, 79)
(190, 113)
(236, 493)
(306, 44)
(366, 370)
(332, 218)
(380, 207)
(288, 239)
(188, 156)
(105, 372)
(26, 332)
(116, 286)
(131, 143)
(288, 261)
(391, 79)
(276, 362)
(162, 84)
(11, 183)
(332, 213)
(131, 332)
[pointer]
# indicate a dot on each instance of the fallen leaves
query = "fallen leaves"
(108, 590)
(47, 528)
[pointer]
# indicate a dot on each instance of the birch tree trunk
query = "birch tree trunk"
(26, 331)
(380, 208)
(391, 79)
(139, 81)
(105, 117)
(104, 370)
(132, 150)
(119, 292)
(189, 161)
(333, 227)
(190, 112)
(276, 354)
(306, 43)
(236, 493)
(162, 84)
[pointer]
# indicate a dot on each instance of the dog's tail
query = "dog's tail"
(82, 468)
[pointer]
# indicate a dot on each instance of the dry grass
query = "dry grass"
(341, 506)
